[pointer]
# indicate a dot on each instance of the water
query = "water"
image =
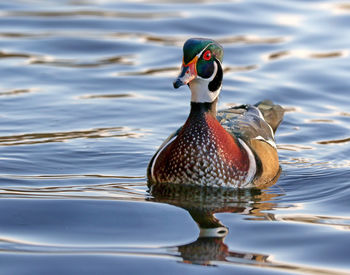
(86, 97)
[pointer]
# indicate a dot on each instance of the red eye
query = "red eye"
(207, 55)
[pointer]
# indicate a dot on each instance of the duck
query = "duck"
(232, 148)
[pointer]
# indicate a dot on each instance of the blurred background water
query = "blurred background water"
(86, 98)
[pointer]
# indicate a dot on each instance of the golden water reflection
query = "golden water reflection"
(34, 59)
(16, 92)
(36, 138)
(301, 53)
(93, 13)
(334, 141)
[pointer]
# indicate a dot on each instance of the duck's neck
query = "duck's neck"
(204, 107)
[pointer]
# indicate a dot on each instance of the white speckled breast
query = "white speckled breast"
(203, 153)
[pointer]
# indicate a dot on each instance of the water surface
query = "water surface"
(86, 98)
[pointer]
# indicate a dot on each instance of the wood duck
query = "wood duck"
(232, 148)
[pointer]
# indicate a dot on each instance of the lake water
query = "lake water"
(86, 98)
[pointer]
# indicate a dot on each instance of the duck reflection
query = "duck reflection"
(203, 203)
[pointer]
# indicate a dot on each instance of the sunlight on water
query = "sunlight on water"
(289, 20)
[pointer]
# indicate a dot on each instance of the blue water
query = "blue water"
(86, 98)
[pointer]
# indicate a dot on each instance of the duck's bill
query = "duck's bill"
(188, 73)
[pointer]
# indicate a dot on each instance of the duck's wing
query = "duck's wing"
(247, 123)
(255, 125)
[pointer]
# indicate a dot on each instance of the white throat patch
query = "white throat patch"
(199, 88)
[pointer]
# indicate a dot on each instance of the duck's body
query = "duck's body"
(233, 148)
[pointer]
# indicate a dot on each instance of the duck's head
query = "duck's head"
(201, 69)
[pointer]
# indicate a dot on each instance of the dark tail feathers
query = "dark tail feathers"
(273, 113)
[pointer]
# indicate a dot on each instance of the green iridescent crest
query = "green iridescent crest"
(194, 46)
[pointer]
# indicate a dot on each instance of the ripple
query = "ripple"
(17, 92)
(290, 20)
(17, 35)
(217, 254)
(94, 13)
(106, 96)
(34, 59)
(69, 176)
(303, 162)
(297, 161)
(332, 54)
(246, 68)
(306, 54)
(334, 141)
(342, 223)
(14, 55)
(36, 138)
(336, 8)
(175, 40)
(344, 114)
(252, 40)
(294, 147)
(155, 71)
(71, 63)
(121, 191)
(320, 121)
(342, 7)
(277, 55)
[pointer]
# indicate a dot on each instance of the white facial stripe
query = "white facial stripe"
(199, 55)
